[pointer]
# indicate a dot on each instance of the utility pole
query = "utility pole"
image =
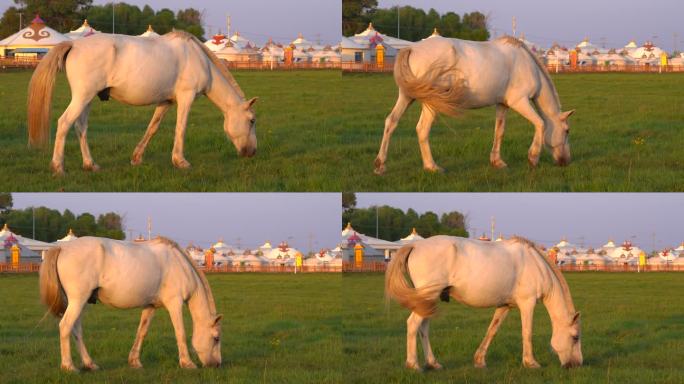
(33, 209)
(311, 243)
(675, 37)
(149, 228)
(377, 230)
(113, 5)
(20, 20)
(493, 224)
(228, 26)
(515, 26)
(398, 25)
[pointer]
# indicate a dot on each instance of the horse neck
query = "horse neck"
(222, 92)
(198, 304)
(548, 99)
(557, 299)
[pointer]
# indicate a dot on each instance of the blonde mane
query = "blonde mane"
(200, 274)
(211, 56)
(554, 268)
(510, 40)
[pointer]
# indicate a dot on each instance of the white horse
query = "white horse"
(449, 75)
(511, 273)
(174, 68)
(130, 275)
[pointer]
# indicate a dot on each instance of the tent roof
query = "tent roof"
(36, 34)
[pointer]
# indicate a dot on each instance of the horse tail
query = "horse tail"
(438, 87)
(51, 291)
(422, 300)
(40, 94)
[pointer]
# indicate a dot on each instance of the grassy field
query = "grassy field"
(633, 332)
(320, 131)
(276, 328)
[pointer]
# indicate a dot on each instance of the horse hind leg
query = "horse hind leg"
(82, 132)
(499, 316)
(430, 361)
(145, 319)
(77, 332)
(499, 128)
(391, 122)
(159, 112)
(66, 326)
(413, 323)
(68, 118)
(427, 117)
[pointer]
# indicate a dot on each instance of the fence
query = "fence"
(368, 67)
(21, 268)
(380, 267)
(33, 267)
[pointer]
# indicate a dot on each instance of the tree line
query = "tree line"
(415, 23)
(51, 224)
(394, 224)
(67, 15)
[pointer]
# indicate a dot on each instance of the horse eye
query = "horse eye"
(253, 121)
(217, 339)
(575, 338)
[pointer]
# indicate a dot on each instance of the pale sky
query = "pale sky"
(258, 20)
(204, 218)
(584, 218)
(568, 22)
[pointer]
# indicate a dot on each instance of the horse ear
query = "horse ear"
(574, 319)
(566, 115)
(217, 319)
(249, 103)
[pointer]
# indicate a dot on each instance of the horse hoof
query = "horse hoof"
(57, 170)
(135, 364)
(69, 368)
(435, 169)
(531, 364)
(181, 164)
(379, 167)
(188, 365)
(379, 171)
(136, 160)
(499, 164)
(91, 167)
(414, 367)
(433, 366)
(91, 367)
(480, 364)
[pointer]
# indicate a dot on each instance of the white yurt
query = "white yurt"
(281, 255)
(647, 52)
(586, 46)
(273, 53)
(84, 30)
(327, 55)
(413, 236)
(33, 41)
(69, 236)
(149, 32)
(241, 41)
(30, 250)
(216, 42)
(301, 43)
(233, 53)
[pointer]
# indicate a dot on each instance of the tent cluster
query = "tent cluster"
(221, 254)
(237, 48)
(30, 250)
(36, 40)
(566, 253)
(374, 249)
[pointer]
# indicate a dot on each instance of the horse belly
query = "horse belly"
(152, 91)
(130, 287)
(479, 282)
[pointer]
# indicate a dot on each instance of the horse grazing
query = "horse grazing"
(175, 67)
(511, 273)
(450, 75)
(129, 275)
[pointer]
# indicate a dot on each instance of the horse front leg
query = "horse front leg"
(427, 117)
(145, 320)
(391, 122)
(499, 128)
(175, 309)
(82, 133)
(68, 118)
(525, 108)
(152, 128)
(430, 361)
(526, 317)
(499, 316)
(77, 332)
(177, 157)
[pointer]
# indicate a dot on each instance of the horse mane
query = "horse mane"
(554, 268)
(515, 42)
(200, 274)
(211, 56)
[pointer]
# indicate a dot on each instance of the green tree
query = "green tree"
(348, 200)
(62, 15)
(355, 15)
(5, 202)
(9, 23)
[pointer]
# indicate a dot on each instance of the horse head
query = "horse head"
(556, 137)
(206, 340)
(240, 126)
(566, 342)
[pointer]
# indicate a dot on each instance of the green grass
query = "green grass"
(633, 332)
(276, 328)
(320, 131)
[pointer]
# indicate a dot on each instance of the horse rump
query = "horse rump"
(439, 87)
(421, 300)
(51, 292)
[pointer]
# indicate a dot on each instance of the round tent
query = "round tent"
(31, 42)
(149, 32)
(84, 30)
(69, 237)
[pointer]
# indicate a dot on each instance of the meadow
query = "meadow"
(276, 328)
(320, 131)
(632, 325)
